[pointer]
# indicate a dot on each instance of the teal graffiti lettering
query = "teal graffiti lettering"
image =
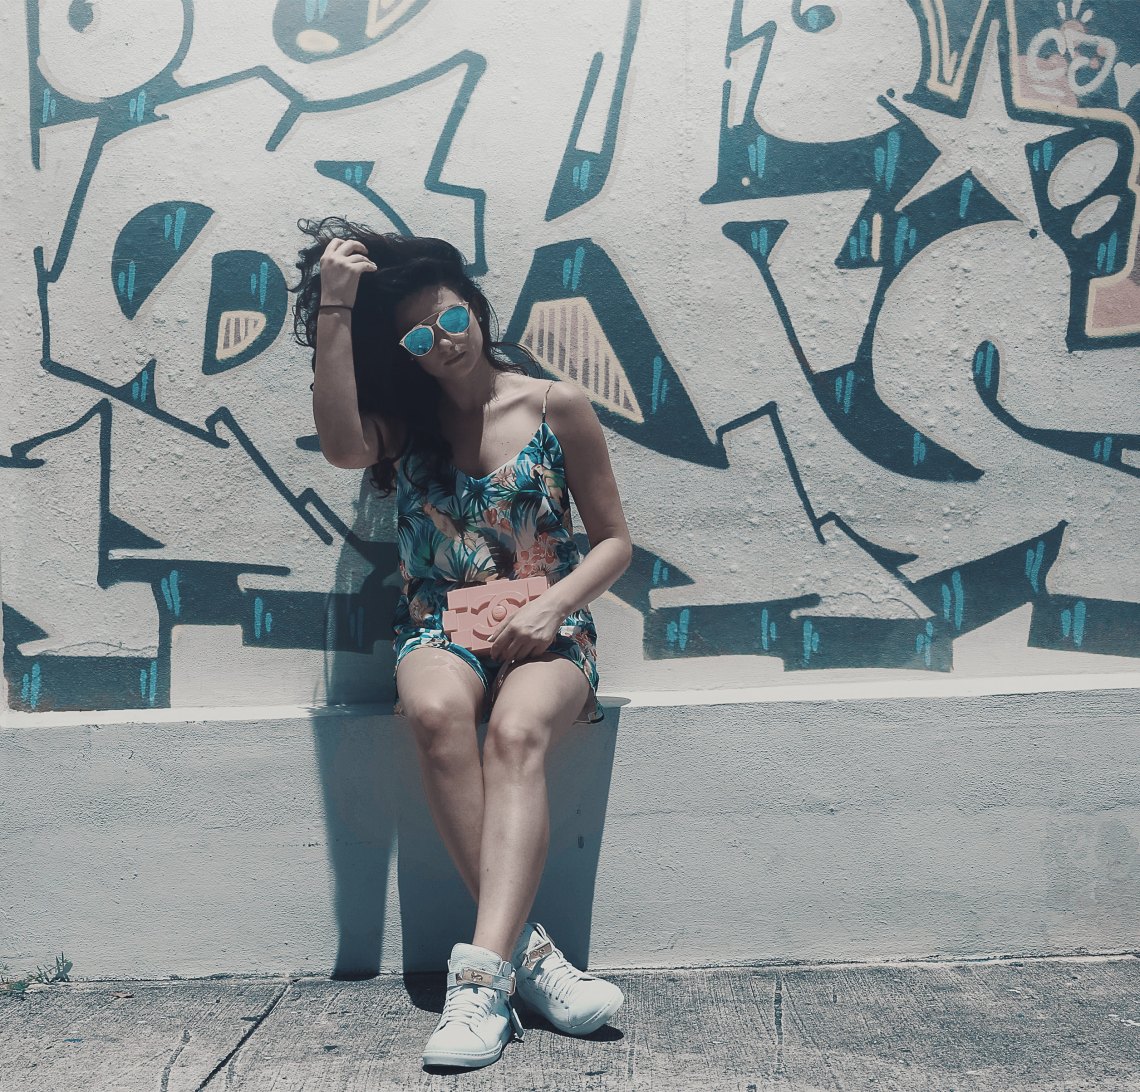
(1033, 559)
(924, 642)
(894, 143)
(171, 594)
(964, 196)
(918, 452)
(30, 687)
(900, 238)
(758, 155)
(810, 640)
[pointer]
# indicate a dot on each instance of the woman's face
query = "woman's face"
(451, 355)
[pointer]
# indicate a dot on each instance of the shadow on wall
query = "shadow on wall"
(374, 801)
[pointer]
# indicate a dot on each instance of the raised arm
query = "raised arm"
(348, 438)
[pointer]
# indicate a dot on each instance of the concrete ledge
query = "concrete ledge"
(888, 827)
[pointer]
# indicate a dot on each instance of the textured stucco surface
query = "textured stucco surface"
(854, 288)
(871, 828)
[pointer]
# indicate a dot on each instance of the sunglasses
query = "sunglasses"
(420, 340)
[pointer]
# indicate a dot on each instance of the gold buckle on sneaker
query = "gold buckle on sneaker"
(477, 978)
(535, 954)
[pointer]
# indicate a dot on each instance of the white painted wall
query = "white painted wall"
(904, 501)
(961, 821)
(874, 299)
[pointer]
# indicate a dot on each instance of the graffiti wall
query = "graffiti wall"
(854, 287)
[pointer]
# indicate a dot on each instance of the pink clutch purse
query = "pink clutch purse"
(473, 614)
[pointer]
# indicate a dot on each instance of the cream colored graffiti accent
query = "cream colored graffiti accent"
(1114, 301)
(317, 41)
(236, 330)
(567, 338)
(1063, 53)
(1093, 217)
(382, 14)
(1081, 170)
(947, 67)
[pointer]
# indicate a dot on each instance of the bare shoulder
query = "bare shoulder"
(524, 390)
(568, 406)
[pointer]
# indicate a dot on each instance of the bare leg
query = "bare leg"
(443, 700)
(537, 697)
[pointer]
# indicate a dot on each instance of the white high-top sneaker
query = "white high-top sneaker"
(574, 1002)
(477, 1020)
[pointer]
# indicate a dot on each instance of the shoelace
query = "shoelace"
(557, 976)
(467, 1005)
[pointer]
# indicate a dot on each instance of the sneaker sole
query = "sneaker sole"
(463, 1061)
(586, 1026)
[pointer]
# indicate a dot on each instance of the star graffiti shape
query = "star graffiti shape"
(987, 141)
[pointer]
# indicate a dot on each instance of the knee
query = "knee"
(444, 734)
(515, 744)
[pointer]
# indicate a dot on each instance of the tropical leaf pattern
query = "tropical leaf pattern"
(514, 522)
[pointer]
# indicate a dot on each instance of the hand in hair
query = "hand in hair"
(341, 266)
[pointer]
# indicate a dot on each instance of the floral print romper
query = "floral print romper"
(514, 522)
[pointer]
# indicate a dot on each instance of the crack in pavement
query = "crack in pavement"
(778, 1007)
(173, 1058)
(258, 1021)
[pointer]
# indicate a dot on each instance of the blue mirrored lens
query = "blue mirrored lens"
(455, 320)
(419, 341)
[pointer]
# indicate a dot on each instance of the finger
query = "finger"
(501, 647)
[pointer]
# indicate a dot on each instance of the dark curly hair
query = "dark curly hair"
(385, 385)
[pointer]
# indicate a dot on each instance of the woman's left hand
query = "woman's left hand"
(528, 632)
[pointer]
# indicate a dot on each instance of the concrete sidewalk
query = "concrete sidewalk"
(1067, 1023)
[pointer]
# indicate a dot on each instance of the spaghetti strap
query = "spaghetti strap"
(545, 395)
